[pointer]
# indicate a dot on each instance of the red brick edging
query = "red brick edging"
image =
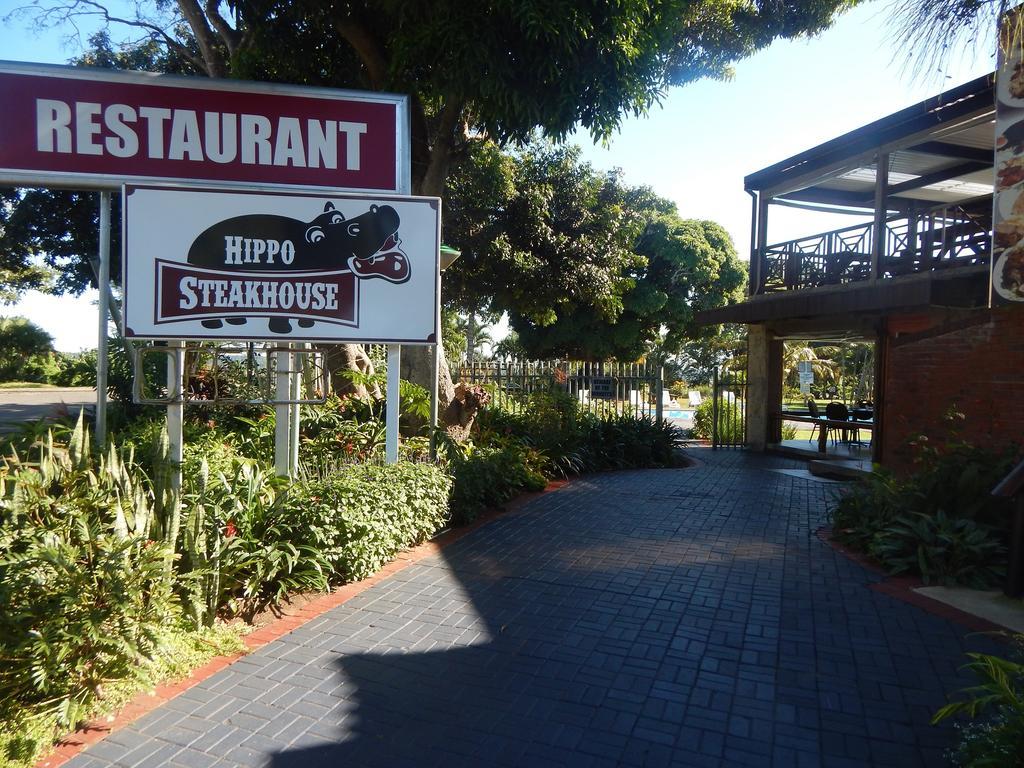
(146, 702)
(902, 588)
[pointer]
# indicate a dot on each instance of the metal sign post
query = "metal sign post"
(393, 398)
(175, 422)
(282, 413)
(103, 280)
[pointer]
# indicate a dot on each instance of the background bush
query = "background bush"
(940, 521)
(85, 594)
(366, 514)
(730, 421)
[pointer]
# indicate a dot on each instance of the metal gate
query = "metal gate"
(602, 388)
(729, 408)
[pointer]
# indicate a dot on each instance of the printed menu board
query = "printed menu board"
(1007, 284)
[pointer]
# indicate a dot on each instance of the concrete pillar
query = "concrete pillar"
(764, 387)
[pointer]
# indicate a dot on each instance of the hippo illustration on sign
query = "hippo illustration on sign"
(367, 245)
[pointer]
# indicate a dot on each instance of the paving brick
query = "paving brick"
(674, 617)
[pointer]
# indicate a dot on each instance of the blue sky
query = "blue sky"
(696, 147)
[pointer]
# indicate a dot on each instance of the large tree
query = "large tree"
(584, 266)
(499, 68)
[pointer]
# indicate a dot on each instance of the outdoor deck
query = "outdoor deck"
(940, 238)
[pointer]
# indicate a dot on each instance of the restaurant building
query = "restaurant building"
(911, 275)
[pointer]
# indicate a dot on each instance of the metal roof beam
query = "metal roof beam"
(954, 151)
(944, 174)
(839, 197)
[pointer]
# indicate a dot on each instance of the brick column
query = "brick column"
(764, 386)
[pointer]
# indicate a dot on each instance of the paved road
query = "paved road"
(19, 405)
(655, 618)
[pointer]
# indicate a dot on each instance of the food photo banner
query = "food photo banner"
(95, 128)
(1007, 284)
(240, 264)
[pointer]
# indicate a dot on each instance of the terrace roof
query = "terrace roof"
(939, 151)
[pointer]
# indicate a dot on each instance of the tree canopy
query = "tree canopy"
(584, 265)
(22, 344)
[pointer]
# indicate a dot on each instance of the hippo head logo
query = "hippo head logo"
(370, 242)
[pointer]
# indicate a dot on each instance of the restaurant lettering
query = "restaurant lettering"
(123, 131)
(93, 128)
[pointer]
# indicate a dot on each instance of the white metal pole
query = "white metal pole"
(175, 420)
(282, 433)
(101, 342)
(293, 443)
(391, 420)
(434, 385)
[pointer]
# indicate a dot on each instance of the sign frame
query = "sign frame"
(293, 192)
(114, 181)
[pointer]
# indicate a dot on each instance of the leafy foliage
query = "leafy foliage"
(941, 521)
(730, 421)
(997, 740)
(585, 266)
(942, 549)
(26, 351)
(86, 592)
(367, 514)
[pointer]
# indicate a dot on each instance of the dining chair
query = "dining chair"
(812, 409)
(839, 412)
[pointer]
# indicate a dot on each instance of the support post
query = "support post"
(659, 397)
(881, 193)
(282, 432)
(758, 268)
(393, 396)
(758, 408)
(103, 280)
(714, 408)
(175, 426)
(436, 365)
(298, 358)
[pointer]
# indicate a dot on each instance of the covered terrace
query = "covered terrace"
(916, 187)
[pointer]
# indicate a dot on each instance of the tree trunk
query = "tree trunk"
(351, 357)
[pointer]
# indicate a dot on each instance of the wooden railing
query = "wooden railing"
(939, 238)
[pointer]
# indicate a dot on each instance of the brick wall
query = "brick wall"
(975, 363)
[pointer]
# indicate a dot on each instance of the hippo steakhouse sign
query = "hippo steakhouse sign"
(244, 265)
(247, 262)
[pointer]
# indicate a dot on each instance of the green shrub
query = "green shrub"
(730, 421)
(365, 515)
(488, 476)
(77, 369)
(939, 522)
(570, 441)
(626, 441)
(28, 733)
(997, 740)
(941, 549)
(84, 589)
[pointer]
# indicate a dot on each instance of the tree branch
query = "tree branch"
(231, 37)
(215, 64)
(366, 46)
(441, 151)
(68, 11)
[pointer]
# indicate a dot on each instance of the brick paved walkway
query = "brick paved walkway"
(672, 617)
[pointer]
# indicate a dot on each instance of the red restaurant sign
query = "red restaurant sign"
(94, 128)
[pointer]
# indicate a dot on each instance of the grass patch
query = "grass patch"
(26, 385)
(26, 735)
